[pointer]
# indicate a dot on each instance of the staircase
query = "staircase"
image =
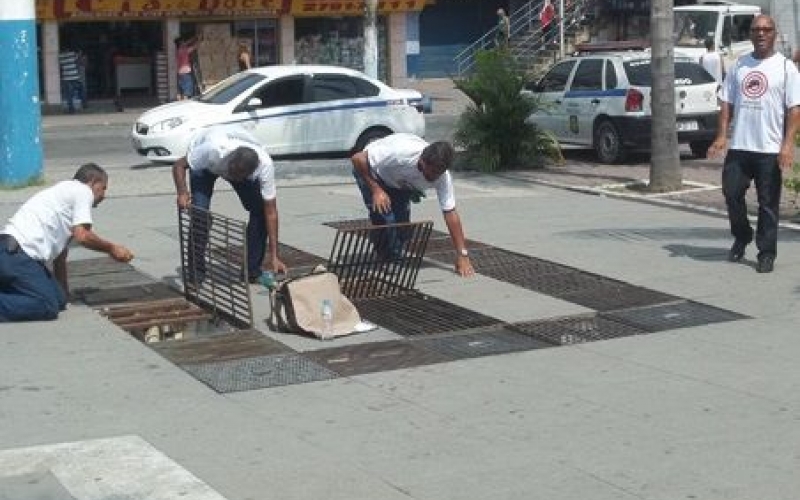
(527, 44)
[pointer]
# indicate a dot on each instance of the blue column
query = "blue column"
(20, 125)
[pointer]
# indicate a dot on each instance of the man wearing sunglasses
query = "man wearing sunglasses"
(761, 99)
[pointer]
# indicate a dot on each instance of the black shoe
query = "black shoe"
(737, 251)
(765, 264)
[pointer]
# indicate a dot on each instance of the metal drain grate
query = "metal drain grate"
(576, 329)
(484, 343)
(416, 314)
(258, 372)
(611, 295)
(349, 224)
(374, 357)
(213, 253)
(297, 259)
(670, 316)
(215, 348)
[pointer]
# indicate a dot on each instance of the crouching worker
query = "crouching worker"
(398, 169)
(36, 239)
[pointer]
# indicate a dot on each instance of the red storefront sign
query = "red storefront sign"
(112, 9)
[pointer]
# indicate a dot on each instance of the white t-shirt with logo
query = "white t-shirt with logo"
(760, 90)
(43, 225)
(209, 150)
(394, 159)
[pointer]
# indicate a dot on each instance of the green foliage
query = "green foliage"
(493, 130)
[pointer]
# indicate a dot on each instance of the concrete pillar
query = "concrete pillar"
(172, 30)
(51, 72)
(398, 48)
(286, 34)
(20, 127)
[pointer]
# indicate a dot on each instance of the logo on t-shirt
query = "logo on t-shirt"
(754, 84)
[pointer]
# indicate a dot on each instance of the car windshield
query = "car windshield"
(230, 88)
(691, 28)
(686, 73)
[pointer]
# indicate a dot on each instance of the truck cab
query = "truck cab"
(728, 24)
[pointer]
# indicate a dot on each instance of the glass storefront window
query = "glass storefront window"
(337, 41)
(262, 34)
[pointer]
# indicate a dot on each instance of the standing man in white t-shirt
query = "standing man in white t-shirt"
(393, 171)
(236, 156)
(36, 239)
(762, 94)
(712, 61)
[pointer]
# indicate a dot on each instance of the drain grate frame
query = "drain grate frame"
(258, 372)
(415, 314)
(487, 342)
(359, 359)
(576, 329)
(684, 314)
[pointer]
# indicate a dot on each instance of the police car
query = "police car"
(601, 98)
(291, 109)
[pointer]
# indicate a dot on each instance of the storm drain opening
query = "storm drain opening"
(379, 261)
(214, 265)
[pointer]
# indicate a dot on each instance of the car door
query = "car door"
(551, 114)
(340, 109)
(276, 115)
(582, 100)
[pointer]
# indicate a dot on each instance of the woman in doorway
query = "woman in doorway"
(245, 59)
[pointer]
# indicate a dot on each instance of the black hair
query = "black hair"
(89, 173)
(439, 156)
(243, 162)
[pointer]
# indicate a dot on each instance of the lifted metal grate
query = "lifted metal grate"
(213, 257)
(670, 316)
(416, 314)
(576, 329)
(258, 372)
(482, 343)
(374, 357)
(379, 261)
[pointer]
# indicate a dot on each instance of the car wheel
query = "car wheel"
(700, 148)
(608, 143)
(368, 136)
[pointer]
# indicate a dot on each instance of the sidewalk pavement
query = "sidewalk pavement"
(705, 412)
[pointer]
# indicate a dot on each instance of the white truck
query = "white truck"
(728, 24)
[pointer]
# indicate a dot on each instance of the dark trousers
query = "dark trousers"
(740, 168)
(28, 292)
(388, 243)
(249, 193)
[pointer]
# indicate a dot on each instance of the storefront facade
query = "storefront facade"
(128, 45)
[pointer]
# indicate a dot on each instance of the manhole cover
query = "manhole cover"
(576, 329)
(670, 316)
(258, 372)
(484, 343)
(374, 357)
(417, 314)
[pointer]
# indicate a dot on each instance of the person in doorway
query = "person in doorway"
(236, 156)
(396, 170)
(34, 245)
(71, 88)
(244, 57)
(761, 97)
(503, 34)
(712, 61)
(547, 18)
(183, 61)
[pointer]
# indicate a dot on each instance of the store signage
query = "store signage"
(112, 9)
(351, 7)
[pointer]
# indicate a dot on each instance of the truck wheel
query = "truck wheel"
(608, 143)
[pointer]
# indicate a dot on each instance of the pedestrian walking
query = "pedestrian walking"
(396, 170)
(69, 62)
(503, 34)
(712, 61)
(547, 18)
(34, 245)
(236, 156)
(760, 97)
(183, 61)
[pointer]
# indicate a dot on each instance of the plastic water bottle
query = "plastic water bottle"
(327, 319)
(267, 279)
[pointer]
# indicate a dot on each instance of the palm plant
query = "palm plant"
(493, 130)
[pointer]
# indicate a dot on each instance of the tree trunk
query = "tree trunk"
(665, 165)
(371, 38)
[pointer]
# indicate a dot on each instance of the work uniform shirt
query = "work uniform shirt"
(394, 159)
(43, 225)
(760, 90)
(210, 150)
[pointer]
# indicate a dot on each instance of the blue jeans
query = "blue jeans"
(249, 193)
(388, 243)
(28, 292)
(740, 168)
(73, 91)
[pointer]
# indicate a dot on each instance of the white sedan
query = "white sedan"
(291, 109)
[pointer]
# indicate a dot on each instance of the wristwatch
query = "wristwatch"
(463, 252)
